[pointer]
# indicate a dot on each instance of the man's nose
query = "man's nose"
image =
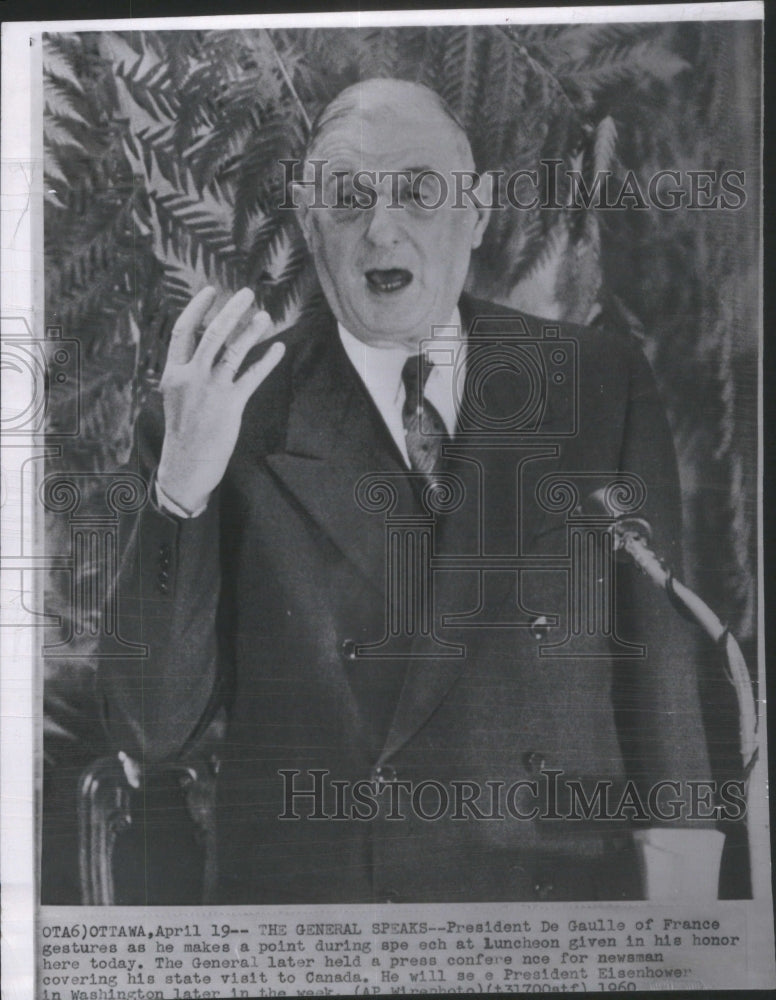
(384, 229)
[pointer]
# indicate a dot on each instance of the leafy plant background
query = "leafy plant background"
(162, 155)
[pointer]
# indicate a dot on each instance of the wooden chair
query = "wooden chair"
(147, 838)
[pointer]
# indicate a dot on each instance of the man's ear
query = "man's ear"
(484, 193)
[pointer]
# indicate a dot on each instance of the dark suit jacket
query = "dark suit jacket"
(260, 603)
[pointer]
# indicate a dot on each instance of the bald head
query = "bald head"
(395, 105)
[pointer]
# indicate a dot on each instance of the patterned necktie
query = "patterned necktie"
(424, 429)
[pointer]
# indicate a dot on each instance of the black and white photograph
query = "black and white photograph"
(384, 441)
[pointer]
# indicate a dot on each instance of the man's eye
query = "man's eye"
(346, 199)
(421, 192)
(411, 193)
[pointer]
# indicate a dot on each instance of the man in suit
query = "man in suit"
(359, 546)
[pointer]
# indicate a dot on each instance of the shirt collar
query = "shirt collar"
(380, 368)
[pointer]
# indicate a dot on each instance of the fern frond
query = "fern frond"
(235, 123)
(497, 110)
(58, 61)
(576, 42)
(58, 135)
(431, 72)
(271, 238)
(259, 177)
(640, 61)
(379, 52)
(149, 86)
(277, 290)
(539, 249)
(262, 237)
(552, 88)
(460, 85)
(603, 145)
(59, 102)
(157, 151)
(193, 234)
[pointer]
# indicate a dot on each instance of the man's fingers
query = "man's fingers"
(183, 339)
(236, 349)
(224, 324)
(249, 382)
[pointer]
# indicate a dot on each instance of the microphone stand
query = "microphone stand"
(631, 536)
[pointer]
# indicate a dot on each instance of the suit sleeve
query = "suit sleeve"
(168, 592)
(656, 695)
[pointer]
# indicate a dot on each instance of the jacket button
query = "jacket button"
(534, 761)
(543, 889)
(540, 627)
(349, 649)
(383, 774)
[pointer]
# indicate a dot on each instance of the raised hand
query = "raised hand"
(203, 397)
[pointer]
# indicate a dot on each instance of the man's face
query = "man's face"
(391, 273)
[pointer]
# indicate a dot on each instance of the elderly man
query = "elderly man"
(409, 718)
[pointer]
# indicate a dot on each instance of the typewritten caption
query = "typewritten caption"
(130, 954)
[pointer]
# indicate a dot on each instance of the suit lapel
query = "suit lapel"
(427, 682)
(334, 437)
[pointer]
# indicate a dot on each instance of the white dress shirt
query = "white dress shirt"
(380, 369)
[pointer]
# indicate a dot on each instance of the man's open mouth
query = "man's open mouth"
(391, 279)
